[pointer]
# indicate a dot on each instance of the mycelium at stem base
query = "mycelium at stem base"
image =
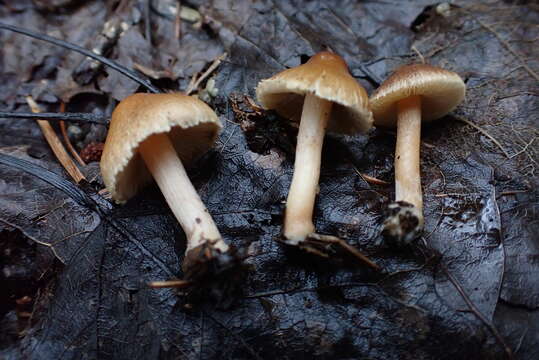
(298, 223)
(405, 219)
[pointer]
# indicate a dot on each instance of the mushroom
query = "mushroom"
(153, 136)
(412, 94)
(320, 94)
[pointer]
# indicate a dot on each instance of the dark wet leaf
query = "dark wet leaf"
(481, 204)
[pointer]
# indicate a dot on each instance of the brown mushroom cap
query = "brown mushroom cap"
(325, 75)
(440, 90)
(191, 125)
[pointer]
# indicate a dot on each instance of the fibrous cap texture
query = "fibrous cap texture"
(325, 75)
(191, 125)
(440, 90)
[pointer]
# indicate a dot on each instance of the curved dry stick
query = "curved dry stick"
(56, 145)
(69, 145)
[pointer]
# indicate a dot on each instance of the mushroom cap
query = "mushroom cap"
(192, 127)
(440, 90)
(325, 75)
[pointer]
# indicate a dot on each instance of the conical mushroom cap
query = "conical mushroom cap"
(191, 125)
(326, 76)
(440, 90)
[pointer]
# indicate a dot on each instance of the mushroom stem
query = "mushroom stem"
(168, 171)
(298, 222)
(407, 173)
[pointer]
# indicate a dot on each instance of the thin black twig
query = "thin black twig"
(147, 24)
(478, 313)
(73, 117)
(96, 204)
(67, 45)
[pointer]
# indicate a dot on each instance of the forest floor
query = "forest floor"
(75, 267)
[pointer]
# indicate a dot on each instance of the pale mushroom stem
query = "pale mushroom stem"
(298, 223)
(168, 171)
(407, 173)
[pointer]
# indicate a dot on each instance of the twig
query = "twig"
(468, 122)
(178, 21)
(39, 242)
(523, 149)
(67, 45)
(169, 284)
(313, 238)
(56, 145)
(96, 205)
(154, 74)
(227, 140)
(101, 43)
(507, 46)
(477, 313)
(512, 192)
(305, 289)
(421, 57)
(147, 24)
(66, 138)
(207, 73)
(371, 179)
(74, 117)
(517, 94)
(191, 85)
(454, 194)
(104, 193)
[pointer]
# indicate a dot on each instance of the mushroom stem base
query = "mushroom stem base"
(168, 171)
(210, 274)
(405, 220)
(301, 197)
(331, 248)
(404, 223)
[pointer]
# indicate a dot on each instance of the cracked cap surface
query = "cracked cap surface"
(191, 125)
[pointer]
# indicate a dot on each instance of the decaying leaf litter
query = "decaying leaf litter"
(88, 284)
